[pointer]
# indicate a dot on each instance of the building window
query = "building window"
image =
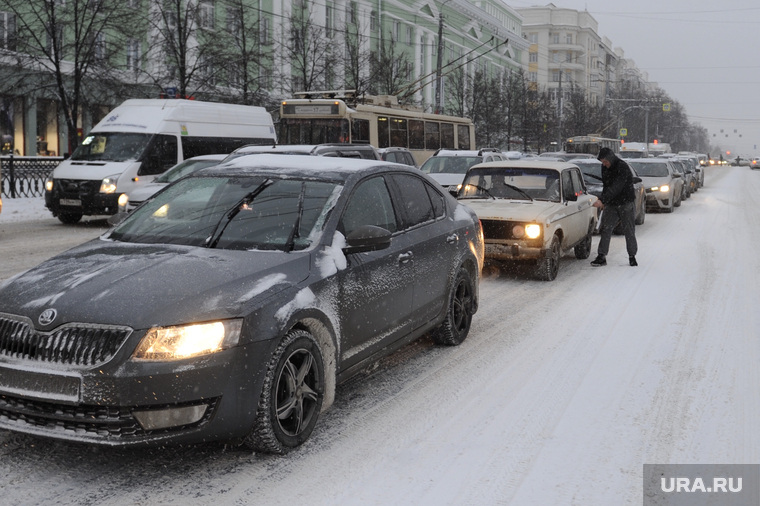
(99, 47)
(265, 76)
(7, 31)
(351, 13)
(232, 22)
(373, 22)
(554, 38)
(409, 34)
(569, 38)
(396, 29)
(206, 15)
(133, 55)
(533, 57)
(555, 76)
(207, 70)
(329, 22)
(533, 77)
(54, 44)
(264, 30)
(533, 38)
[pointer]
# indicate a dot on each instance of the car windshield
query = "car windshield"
(657, 169)
(182, 169)
(112, 146)
(449, 164)
(511, 183)
(592, 171)
(240, 212)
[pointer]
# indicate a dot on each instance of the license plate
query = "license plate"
(71, 202)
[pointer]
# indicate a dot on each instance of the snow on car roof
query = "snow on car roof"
(526, 164)
(297, 165)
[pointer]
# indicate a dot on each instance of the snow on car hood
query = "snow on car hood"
(142, 285)
(513, 210)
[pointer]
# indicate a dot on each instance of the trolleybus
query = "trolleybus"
(591, 144)
(329, 117)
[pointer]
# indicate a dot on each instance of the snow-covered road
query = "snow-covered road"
(560, 394)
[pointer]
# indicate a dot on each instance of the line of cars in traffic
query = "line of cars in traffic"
(243, 288)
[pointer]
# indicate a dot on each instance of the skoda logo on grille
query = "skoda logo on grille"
(47, 316)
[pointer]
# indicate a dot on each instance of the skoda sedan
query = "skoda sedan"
(229, 305)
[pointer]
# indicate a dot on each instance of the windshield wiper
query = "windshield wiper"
(213, 239)
(518, 190)
(290, 244)
(594, 176)
(482, 188)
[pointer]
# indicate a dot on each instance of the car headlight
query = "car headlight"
(187, 341)
(49, 184)
(532, 231)
(664, 188)
(108, 185)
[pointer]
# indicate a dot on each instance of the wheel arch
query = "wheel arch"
(324, 334)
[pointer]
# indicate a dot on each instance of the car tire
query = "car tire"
(548, 267)
(583, 249)
(291, 396)
(69, 218)
(459, 311)
(641, 217)
(677, 203)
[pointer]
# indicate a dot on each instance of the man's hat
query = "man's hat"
(605, 153)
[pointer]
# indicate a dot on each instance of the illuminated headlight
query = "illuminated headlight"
(49, 184)
(531, 231)
(187, 341)
(123, 199)
(108, 185)
(662, 189)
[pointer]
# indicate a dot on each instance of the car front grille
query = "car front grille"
(102, 423)
(76, 188)
(497, 229)
(81, 345)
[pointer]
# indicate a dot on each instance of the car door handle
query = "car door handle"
(405, 257)
(452, 239)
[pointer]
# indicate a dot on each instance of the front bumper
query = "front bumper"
(136, 402)
(514, 250)
(80, 197)
(657, 200)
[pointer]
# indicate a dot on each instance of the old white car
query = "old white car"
(531, 211)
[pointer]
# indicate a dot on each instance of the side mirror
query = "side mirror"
(367, 238)
(637, 180)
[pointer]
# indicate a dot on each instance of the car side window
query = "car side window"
(568, 192)
(578, 186)
(415, 200)
(369, 204)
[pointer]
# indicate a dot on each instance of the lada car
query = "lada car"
(531, 211)
(229, 306)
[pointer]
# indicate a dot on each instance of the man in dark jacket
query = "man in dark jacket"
(617, 203)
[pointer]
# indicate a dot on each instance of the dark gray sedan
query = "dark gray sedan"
(229, 305)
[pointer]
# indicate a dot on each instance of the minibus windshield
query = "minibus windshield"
(112, 146)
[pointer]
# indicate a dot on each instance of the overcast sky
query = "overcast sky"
(704, 54)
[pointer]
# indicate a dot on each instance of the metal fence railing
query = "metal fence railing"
(24, 176)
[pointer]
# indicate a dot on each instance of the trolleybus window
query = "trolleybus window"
(432, 136)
